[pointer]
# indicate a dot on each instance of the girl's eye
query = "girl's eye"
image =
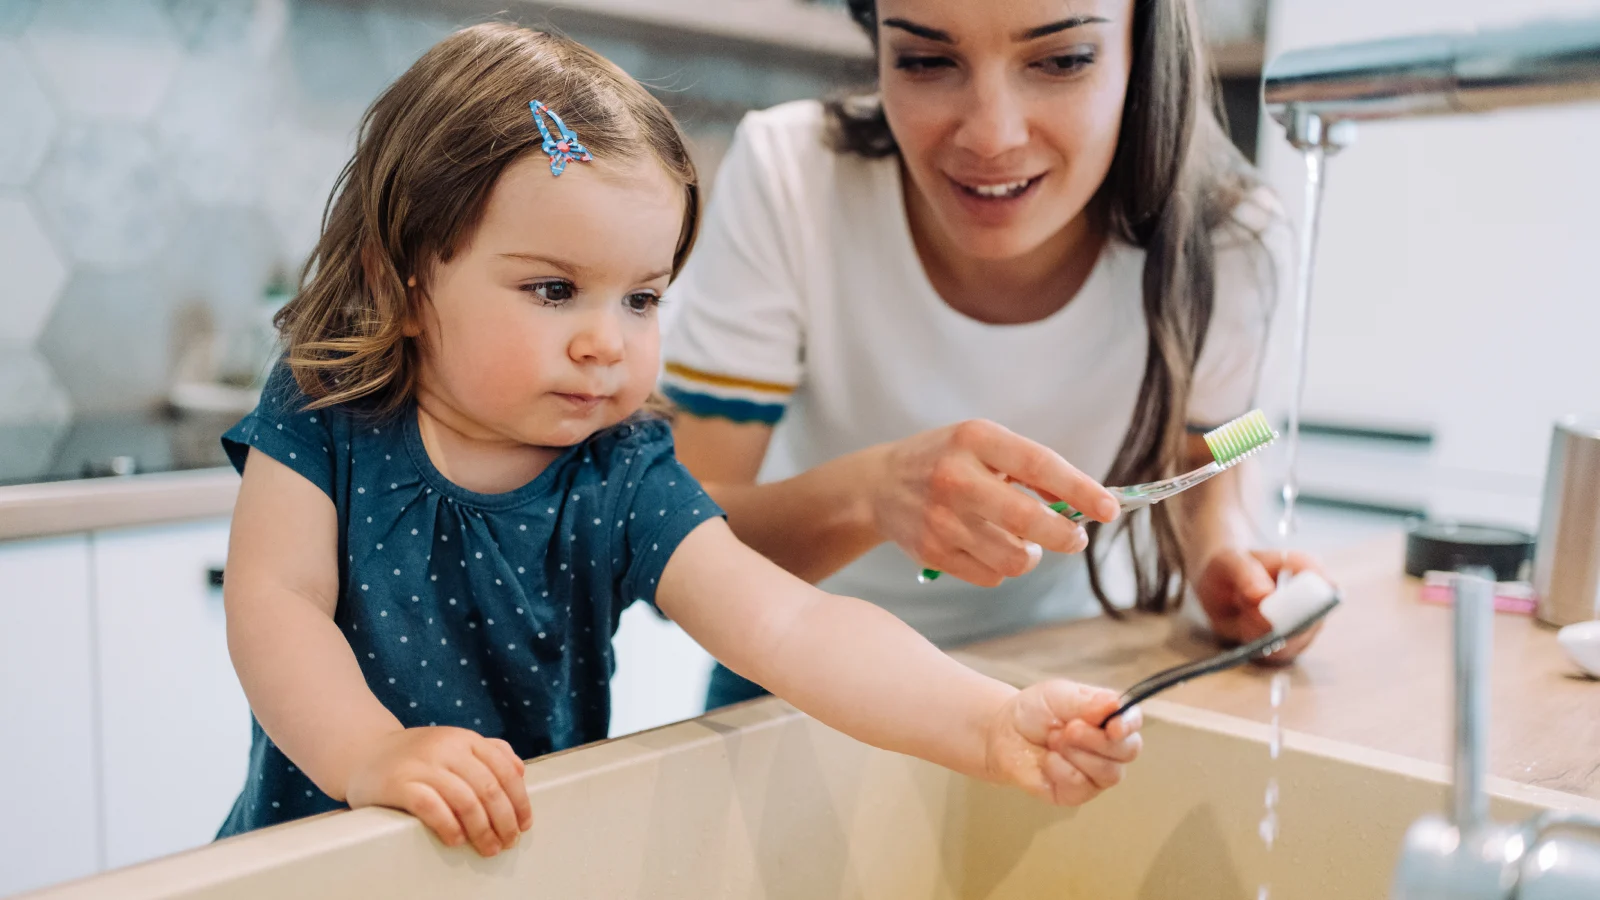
(918, 65)
(642, 302)
(1066, 64)
(552, 292)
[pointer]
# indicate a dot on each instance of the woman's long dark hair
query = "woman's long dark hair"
(1174, 180)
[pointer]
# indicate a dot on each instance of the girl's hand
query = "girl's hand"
(1047, 741)
(462, 785)
(945, 498)
(1231, 585)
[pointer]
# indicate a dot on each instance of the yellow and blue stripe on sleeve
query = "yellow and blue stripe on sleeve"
(715, 396)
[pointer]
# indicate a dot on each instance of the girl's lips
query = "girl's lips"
(583, 402)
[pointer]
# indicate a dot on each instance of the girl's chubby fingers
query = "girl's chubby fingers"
(1068, 785)
(469, 810)
(1046, 706)
(509, 768)
(422, 801)
(1101, 772)
(491, 795)
(1126, 725)
(1119, 742)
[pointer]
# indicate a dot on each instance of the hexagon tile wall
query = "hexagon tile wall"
(163, 156)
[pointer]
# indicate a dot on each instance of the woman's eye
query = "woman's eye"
(922, 64)
(552, 291)
(1067, 64)
(642, 302)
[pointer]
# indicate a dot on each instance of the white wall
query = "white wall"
(1458, 279)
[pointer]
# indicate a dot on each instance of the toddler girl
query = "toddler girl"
(450, 491)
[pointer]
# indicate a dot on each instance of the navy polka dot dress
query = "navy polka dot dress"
(493, 612)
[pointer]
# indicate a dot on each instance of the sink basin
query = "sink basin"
(759, 801)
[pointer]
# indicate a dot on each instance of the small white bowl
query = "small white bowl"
(1582, 643)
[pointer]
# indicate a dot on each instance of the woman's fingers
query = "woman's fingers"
(1036, 466)
(947, 499)
(951, 544)
(1296, 562)
(1292, 648)
(1024, 517)
(1000, 551)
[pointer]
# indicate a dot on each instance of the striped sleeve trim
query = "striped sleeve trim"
(711, 379)
(712, 407)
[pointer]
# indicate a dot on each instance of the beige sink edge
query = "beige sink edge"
(758, 801)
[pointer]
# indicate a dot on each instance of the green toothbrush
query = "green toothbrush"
(1230, 445)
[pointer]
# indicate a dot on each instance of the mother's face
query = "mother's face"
(1007, 112)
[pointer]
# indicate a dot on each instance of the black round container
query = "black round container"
(1446, 546)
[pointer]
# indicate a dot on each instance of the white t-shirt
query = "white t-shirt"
(805, 305)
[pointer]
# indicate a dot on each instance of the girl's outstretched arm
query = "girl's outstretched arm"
(859, 669)
(309, 694)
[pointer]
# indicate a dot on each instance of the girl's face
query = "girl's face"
(1007, 113)
(542, 330)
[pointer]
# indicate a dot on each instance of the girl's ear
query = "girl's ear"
(380, 276)
(409, 325)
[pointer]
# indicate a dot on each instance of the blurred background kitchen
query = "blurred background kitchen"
(163, 169)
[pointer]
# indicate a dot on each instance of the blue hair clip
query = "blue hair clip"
(562, 151)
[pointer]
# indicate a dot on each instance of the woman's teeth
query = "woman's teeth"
(1010, 189)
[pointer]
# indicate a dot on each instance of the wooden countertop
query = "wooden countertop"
(90, 504)
(1380, 675)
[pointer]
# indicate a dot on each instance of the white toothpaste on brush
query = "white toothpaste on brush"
(1293, 603)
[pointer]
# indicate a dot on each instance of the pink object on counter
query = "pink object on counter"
(1509, 596)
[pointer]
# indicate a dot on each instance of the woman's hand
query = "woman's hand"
(1231, 584)
(1047, 741)
(463, 786)
(945, 497)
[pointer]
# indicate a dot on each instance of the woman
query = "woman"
(1034, 244)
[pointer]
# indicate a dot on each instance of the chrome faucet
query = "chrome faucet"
(1319, 95)
(1469, 856)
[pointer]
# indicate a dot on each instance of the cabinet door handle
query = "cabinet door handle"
(214, 576)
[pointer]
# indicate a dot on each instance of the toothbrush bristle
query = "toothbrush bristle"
(1232, 442)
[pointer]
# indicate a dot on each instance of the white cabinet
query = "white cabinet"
(124, 734)
(175, 726)
(49, 828)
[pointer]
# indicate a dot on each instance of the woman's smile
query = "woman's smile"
(993, 202)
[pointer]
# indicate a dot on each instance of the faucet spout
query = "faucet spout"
(1469, 856)
(1439, 74)
(1474, 642)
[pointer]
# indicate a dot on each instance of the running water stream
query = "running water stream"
(1316, 164)
(1316, 158)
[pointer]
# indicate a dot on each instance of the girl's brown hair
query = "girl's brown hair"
(428, 155)
(1174, 180)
